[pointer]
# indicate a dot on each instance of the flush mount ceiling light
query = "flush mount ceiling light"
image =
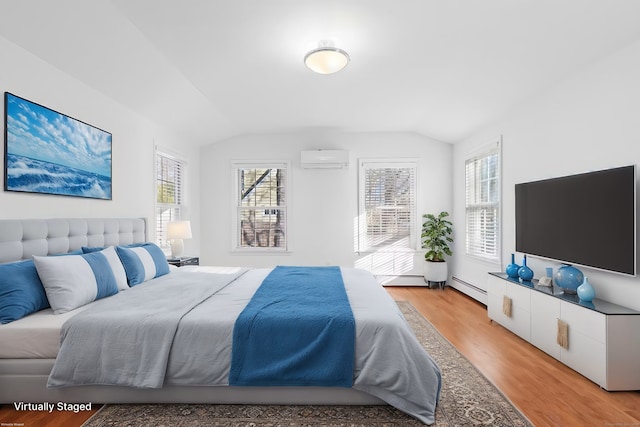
(326, 58)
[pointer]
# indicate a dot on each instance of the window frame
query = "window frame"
(361, 232)
(177, 209)
(236, 207)
(483, 154)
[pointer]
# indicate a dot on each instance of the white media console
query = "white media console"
(600, 340)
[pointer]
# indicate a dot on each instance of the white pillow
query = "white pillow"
(75, 280)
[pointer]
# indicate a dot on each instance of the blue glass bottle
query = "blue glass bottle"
(525, 273)
(512, 269)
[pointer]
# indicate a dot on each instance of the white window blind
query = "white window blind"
(482, 173)
(169, 194)
(387, 206)
(261, 207)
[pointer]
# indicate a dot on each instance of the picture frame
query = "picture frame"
(49, 152)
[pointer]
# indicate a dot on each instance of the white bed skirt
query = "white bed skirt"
(24, 380)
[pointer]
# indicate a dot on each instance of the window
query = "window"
(261, 208)
(482, 205)
(387, 219)
(169, 194)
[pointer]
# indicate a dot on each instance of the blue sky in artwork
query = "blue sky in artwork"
(39, 133)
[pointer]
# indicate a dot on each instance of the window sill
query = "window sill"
(261, 252)
(484, 260)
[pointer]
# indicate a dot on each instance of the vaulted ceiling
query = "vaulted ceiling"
(212, 69)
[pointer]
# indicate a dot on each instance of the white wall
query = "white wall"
(587, 122)
(133, 142)
(323, 203)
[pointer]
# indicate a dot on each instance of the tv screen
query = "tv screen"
(586, 219)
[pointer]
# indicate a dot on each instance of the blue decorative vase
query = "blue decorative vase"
(512, 269)
(525, 273)
(568, 278)
(586, 291)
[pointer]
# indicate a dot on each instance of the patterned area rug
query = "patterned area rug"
(467, 399)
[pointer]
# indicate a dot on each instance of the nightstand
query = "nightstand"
(181, 262)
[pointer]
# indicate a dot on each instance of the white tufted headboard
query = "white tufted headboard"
(22, 238)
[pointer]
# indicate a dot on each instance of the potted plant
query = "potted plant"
(436, 236)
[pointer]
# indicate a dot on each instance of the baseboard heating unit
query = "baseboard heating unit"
(469, 289)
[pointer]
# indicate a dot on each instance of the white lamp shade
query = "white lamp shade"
(179, 230)
(326, 60)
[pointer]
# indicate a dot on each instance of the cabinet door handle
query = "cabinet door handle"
(563, 334)
(507, 304)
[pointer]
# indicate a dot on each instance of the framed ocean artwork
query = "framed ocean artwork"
(51, 153)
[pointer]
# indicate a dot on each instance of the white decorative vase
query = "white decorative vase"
(435, 272)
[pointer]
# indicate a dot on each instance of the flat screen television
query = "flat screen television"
(586, 219)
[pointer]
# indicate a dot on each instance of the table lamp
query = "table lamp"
(176, 232)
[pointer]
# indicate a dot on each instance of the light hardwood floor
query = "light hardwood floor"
(546, 391)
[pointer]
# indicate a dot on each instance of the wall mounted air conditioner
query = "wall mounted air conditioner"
(324, 159)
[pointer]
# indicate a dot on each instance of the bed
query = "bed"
(389, 365)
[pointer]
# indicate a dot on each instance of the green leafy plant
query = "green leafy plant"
(436, 236)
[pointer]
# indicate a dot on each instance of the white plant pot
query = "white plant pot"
(435, 271)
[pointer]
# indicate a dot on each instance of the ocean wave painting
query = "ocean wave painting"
(48, 152)
(37, 176)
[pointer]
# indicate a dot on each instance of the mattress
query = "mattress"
(36, 336)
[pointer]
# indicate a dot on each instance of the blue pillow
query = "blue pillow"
(75, 280)
(21, 291)
(89, 249)
(143, 262)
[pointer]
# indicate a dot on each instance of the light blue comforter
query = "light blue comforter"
(126, 339)
(118, 342)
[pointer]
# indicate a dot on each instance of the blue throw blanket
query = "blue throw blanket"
(297, 330)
